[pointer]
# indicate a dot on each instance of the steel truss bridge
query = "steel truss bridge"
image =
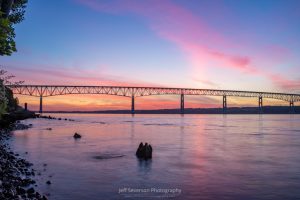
(133, 92)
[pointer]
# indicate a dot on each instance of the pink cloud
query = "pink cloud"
(200, 42)
(178, 25)
(208, 83)
(241, 62)
(284, 83)
(56, 75)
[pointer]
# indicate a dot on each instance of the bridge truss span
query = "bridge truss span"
(127, 91)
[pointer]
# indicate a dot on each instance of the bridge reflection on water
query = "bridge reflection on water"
(133, 92)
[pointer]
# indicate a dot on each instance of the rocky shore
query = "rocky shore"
(9, 119)
(16, 174)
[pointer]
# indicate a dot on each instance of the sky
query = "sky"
(215, 44)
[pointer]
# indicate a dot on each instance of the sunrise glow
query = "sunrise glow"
(238, 45)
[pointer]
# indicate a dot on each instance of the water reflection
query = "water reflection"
(144, 166)
(207, 156)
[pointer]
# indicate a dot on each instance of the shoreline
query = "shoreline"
(276, 110)
(16, 173)
(11, 118)
(107, 113)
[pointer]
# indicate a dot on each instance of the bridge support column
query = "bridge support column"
(292, 107)
(132, 105)
(41, 104)
(224, 104)
(260, 104)
(182, 104)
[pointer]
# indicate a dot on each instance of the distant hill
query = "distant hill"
(231, 110)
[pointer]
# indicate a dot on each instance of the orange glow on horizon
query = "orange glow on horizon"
(110, 102)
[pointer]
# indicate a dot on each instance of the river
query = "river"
(194, 156)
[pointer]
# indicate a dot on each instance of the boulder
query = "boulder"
(30, 191)
(144, 151)
(20, 191)
(148, 152)
(77, 136)
(139, 153)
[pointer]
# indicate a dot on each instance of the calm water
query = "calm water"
(203, 156)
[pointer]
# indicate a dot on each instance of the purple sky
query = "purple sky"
(229, 44)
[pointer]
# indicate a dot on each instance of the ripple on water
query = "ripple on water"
(105, 156)
(159, 124)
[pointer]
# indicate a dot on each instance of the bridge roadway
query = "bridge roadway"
(133, 92)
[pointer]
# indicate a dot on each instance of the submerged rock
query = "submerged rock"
(144, 151)
(104, 156)
(77, 136)
(19, 126)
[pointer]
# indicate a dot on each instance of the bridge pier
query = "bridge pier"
(260, 104)
(224, 104)
(182, 104)
(132, 105)
(41, 104)
(292, 107)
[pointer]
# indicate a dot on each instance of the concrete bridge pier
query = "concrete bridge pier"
(41, 104)
(260, 104)
(132, 105)
(292, 107)
(224, 104)
(182, 104)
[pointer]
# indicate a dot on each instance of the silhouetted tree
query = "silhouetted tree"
(3, 99)
(11, 12)
(7, 101)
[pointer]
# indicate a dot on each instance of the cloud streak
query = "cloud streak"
(201, 43)
(55, 75)
(178, 25)
(284, 83)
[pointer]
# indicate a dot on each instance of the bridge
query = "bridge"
(134, 92)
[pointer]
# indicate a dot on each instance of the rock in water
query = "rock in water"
(139, 150)
(144, 151)
(77, 136)
(148, 152)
